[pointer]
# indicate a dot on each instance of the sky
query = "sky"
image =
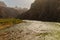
(19, 3)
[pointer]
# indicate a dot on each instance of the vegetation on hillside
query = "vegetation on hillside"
(4, 23)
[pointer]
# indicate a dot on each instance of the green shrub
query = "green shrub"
(10, 21)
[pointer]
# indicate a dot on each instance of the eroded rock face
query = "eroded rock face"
(3, 4)
(44, 10)
(6, 12)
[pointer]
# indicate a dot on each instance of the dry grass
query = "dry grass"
(4, 23)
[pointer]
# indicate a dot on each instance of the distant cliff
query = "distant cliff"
(6, 12)
(43, 10)
(21, 10)
(2, 4)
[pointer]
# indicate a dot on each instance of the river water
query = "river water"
(32, 30)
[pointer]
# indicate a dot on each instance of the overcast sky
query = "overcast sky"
(20, 3)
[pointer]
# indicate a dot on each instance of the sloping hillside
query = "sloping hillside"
(6, 12)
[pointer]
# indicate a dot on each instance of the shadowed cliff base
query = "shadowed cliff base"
(43, 10)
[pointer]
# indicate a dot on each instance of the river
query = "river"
(32, 30)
